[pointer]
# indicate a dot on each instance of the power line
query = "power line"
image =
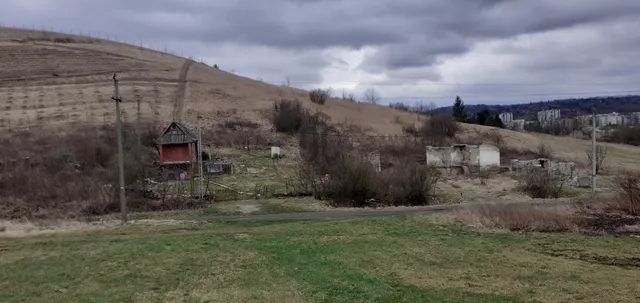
(456, 84)
(594, 94)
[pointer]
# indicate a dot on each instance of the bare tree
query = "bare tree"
(371, 96)
(348, 96)
(601, 155)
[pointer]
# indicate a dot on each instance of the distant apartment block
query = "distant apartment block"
(548, 115)
(506, 118)
(517, 125)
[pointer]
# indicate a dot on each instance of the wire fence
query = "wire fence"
(44, 31)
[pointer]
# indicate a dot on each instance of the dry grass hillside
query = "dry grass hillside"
(49, 79)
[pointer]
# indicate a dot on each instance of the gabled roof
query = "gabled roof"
(186, 135)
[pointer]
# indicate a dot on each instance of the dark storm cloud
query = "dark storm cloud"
(411, 38)
(416, 30)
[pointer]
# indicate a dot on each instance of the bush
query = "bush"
(319, 96)
(333, 171)
(625, 135)
(47, 174)
(437, 130)
(601, 156)
(520, 217)
(352, 182)
(496, 138)
(543, 151)
(238, 123)
(408, 185)
(288, 116)
(542, 184)
(628, 194)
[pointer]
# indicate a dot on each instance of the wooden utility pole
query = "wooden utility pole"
(200, 162)
(593, 151)
(138, 124)
(123, 202)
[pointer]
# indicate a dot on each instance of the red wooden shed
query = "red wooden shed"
(178, 149)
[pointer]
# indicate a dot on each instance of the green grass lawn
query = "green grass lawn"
(393, 259)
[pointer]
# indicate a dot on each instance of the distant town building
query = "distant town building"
(517, 125)
(546, 116)
(610, 119)
(506, 118)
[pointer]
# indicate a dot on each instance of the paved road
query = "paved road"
(329, 214)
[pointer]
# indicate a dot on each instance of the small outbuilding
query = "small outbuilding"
(178, 148)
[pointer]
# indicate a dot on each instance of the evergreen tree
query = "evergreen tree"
(459, 112)
(494, 120)
(483, 116)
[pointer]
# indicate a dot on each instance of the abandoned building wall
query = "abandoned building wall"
(489, 155)
(564, 169)
(443, 156)
(463, 155)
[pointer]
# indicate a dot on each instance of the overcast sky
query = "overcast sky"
(486, 51)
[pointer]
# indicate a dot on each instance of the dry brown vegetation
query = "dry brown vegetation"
(628, 194)
(609, 214)
(48, 82)
(542, 184)
(74, 174)
(332, 170)
(319, 96)
(601, 156)
(438, 130)
(521, 217)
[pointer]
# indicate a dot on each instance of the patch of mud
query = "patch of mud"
(624, 262)
(247, 208)
(252, 170)
(609, 224)
(26, 228)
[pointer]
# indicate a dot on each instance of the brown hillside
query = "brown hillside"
(54, 79)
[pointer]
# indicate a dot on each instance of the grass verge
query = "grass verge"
(394, 259)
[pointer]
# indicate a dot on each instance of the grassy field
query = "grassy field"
(394, 259)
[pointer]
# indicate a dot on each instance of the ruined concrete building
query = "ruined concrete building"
(566, 170)
(463, 157)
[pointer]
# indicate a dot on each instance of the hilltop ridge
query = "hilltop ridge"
(49, 79)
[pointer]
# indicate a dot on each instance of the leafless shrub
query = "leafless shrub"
(485, 175)
(74, 173)
(339, 174)
(520, 217)
(288, 116)
(238, 123)
(543, 151)
(625, 134)
(438, 130)
(542, 184)
(352, 183)
(396, 151)
(496, 138)
(319, 96)
(408, 185)
(601, 156)
(628, 194)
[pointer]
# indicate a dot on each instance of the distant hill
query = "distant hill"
(568, 107)
(50, 79)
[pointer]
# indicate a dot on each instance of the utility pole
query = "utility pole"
(200, 161)
(123, 202)
(593, 151)
(138, 124)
